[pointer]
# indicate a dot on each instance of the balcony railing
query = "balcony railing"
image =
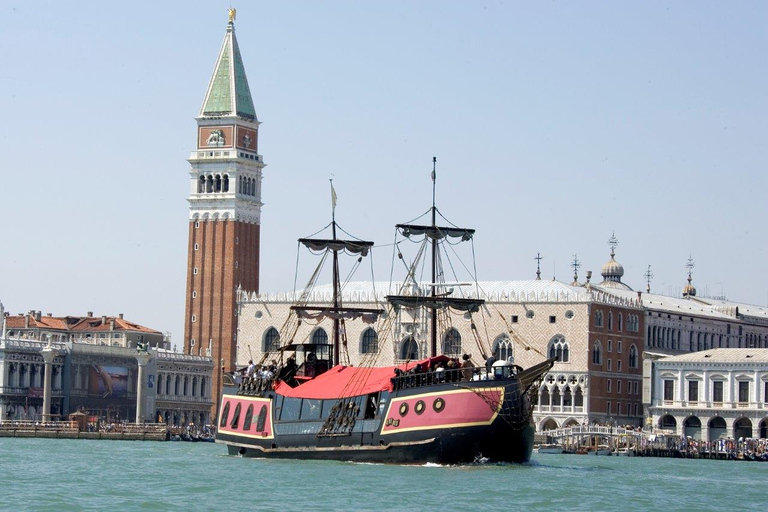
(698, 404)
(15, 390)
(560, 408)
(182, 398)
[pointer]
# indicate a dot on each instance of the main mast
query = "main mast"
(433, 327)
(434, 300)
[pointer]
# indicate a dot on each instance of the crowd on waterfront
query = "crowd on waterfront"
(16, 424)
(611, 438)
(742, 448)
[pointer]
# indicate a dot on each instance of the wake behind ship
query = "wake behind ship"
(436, 409)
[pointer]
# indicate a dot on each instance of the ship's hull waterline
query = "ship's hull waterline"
(455, 423)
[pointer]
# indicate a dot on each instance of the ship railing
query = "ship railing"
(255, 385)
(415, 379)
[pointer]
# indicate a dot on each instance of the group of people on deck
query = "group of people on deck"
(263, 372)
(466, 369)
(263, 376)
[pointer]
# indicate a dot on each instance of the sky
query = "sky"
(554, 124)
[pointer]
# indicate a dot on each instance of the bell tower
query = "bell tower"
(224, 212)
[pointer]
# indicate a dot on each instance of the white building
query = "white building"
(716, 393)
(677, 325)
(177, 389)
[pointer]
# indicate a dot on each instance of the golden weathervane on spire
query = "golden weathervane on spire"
(232, 14)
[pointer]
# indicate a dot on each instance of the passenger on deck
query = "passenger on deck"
(467, 367)
(440, 372)
(251, 369)
(489, 363)
(288, 371)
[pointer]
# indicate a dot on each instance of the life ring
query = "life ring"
(311, 357)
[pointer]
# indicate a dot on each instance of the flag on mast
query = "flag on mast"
(434, 163)
(333, 198)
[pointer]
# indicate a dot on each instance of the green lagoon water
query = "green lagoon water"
(49, 474)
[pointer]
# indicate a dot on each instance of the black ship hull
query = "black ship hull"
(461, 446)
(416, 422)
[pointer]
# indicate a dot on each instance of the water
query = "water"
(50, 474)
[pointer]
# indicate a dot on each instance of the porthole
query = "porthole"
(403, 409)
(259, 314)
(529, 313)
(419, 408)
(438, 405)
(569, 314)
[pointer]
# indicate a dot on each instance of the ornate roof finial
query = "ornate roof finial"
(648, 276)
(612, 271)
(613, 242)
(232, 14)
(689, 290)
(538, 259)
(576, 265)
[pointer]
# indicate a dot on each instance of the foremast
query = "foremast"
(337, 312)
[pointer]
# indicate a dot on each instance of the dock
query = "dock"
(643, 443)
(70, 430)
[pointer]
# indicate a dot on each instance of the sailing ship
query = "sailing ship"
(426, 410)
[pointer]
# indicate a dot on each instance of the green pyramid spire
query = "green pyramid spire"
(228, 93)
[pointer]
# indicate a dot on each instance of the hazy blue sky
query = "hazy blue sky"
(554, 124)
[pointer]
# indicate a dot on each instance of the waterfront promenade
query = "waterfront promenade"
(70, 430)
(642, 443)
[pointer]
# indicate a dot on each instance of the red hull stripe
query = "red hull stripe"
(448, 409)
(245, 402)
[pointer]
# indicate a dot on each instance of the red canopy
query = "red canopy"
(346, 381)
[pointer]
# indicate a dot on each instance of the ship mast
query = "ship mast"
(356, 247)
(434, 300)
(336, 284)
(433, 327)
